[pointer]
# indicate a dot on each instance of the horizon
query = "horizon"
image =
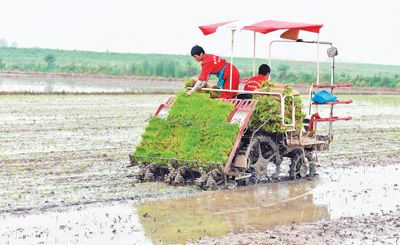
(166, 54)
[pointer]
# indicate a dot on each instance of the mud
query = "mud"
(65, 153)
(376, 228)
(68, 150)
(92, 224)
(352, 193)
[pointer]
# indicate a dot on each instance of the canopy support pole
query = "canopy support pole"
(230, 73)
(269, 57)
(318, 58)
(254, 54)
(316, 107)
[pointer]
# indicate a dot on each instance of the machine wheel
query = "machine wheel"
(302, 164)
(261, 151)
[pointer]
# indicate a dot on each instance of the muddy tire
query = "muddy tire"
(302, 164)
(261, 151)
(266, 146)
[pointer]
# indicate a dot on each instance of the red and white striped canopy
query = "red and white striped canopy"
(263, 27)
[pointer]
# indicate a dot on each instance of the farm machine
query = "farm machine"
(255, 149)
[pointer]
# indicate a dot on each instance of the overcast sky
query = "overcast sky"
(365, 31)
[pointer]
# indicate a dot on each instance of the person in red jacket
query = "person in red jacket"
(213, 64)
(255, 82)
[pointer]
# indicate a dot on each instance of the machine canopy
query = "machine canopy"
(264, 27)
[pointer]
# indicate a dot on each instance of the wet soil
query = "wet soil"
(376, 228)
(68, 150)
(88, 224)
(65, 153)
(355, 194)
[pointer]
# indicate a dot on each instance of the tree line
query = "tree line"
(284, 74)
(184, 67)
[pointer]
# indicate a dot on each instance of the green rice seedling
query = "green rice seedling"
(269, 109)
(196, 130)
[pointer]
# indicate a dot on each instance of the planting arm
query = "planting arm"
(199, 84)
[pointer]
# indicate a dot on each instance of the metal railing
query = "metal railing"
(282, 100)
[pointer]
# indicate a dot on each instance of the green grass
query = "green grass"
(196, 130)
(33, 60)
(183, 66)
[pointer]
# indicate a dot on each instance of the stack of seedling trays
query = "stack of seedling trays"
(195, 133)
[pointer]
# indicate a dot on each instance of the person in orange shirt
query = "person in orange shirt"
(255, 82)
(213, 64)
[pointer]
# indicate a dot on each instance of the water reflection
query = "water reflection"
(117, 224)
(85, 85)
(248, 209)
(337, 193)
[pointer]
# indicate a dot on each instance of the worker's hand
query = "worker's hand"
(202, 86)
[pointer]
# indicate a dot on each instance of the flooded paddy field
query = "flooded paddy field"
(14, 82)
(64, 180)
(67, 83)
(71, 149)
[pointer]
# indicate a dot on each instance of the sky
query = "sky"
(364, 31)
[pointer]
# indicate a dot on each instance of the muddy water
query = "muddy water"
(72, 150)
(347, 193)
(86, 85)
(117, 224)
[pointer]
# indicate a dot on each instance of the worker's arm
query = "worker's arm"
(199, 84)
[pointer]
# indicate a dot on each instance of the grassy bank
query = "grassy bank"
(183, 66)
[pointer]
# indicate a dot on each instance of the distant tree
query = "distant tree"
(50, 60)
(282, 70)
(385, 82)
(397, 85)
(3, 43)
(14, 44)
(306, 77)
(145, 68)
(133, 69)
(290, 78)
(190, 69)
(2, 64)
(171, 69)
(159, 69)
(325, 77)
(361, 83)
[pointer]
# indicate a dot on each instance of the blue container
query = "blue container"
(323, 96)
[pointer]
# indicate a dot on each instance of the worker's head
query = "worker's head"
(264, 69)
(197, 52)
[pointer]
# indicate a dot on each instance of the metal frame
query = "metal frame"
(308, 42)
(318, 42)
(162, 110)
(246, 106)
(282, 97)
